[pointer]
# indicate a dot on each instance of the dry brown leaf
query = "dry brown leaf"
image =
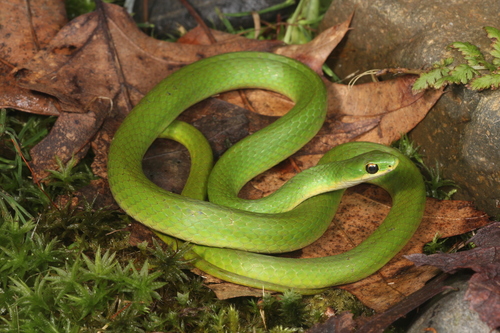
(376, 112)
(483, 292)
(197, 36)
(342, 323)
(227, 290)
(27, 28)
(107, 49)
(315, 52)
(24, 30)
(379, 322)
(11, 96)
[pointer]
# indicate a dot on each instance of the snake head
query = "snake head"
(367, 166)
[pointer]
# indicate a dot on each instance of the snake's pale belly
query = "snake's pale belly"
(223, 233)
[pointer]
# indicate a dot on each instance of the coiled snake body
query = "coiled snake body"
(226, 231)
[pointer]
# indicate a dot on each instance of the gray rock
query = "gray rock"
(462, 131)
(168, 15)
(450, 313)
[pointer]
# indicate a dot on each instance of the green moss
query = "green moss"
(57, 277)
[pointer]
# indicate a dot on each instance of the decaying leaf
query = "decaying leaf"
(379, 322)
(24, 30)
(342, 323)
(484, 286)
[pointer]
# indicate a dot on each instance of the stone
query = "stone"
(450, 312)
(168, 15)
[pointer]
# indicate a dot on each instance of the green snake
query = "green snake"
(228, 233)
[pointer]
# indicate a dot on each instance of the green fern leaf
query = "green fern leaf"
(494, 35)
(429, 79)
(491, 81)
(472, 55)
(444, 62)
(445, 80)
(463, 73)
(470, 52)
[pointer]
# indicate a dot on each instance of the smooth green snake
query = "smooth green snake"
(223, 231)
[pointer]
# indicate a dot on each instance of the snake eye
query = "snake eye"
(372, 168)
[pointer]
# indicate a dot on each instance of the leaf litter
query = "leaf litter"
(484, 286)
(23, 35)
(91, 71)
